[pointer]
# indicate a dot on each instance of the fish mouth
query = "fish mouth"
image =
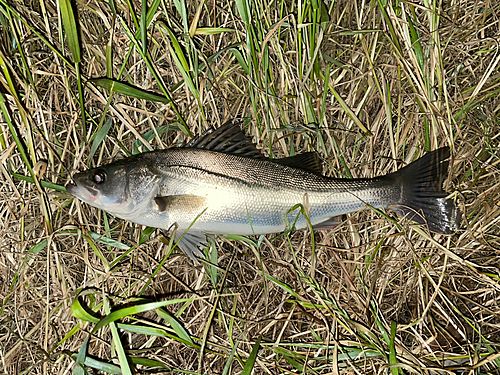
(71, 187)
(82, 192)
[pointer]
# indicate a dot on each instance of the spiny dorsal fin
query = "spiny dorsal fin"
(308, 161)
(229, 139)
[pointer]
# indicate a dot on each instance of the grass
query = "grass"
(369, 85)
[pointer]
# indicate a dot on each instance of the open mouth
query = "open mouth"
(82, 192)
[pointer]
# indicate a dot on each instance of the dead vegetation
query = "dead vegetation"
(370, 86)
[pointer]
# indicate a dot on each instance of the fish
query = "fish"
(219, 183)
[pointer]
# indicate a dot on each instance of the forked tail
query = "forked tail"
(422, 197)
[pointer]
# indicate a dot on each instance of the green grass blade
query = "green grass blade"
(393, 360)
(79, 368)
(144, 26)
(176, 48)
(82, 313)
(181, 62)
(97, 251)
(142, 329)
(180, 5)
(250, 362)
(241, 60)
(159, 81)
(99, 137)
(176, 325)
(102, 366)
(282, 285)
(81, 103)
(345, 107)
(122, 356)
(14, 132)
(39, 246)
(229, 361)
(392, 35)
(68, 15)
(43, 183)
(212, 30)
(152, 365)
(136, 309)
(415, 42)
(294, 359)
(243, 10)
(72, 32)
(133, 13)
(108, 241)
(127, 89)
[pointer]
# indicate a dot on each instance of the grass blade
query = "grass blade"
(122, 356)
(144, 27)
(68, 16)
(129, 90)
(176, 325)
(181, 62)
(43, 183)
(14, 132)
(99, 137)
(102, 366)
(133, 310)
(80, 312)
(212, 30)
(252, 358)
(79, 368)
(158, 79)
(393, 360)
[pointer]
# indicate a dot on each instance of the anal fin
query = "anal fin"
(329, 223)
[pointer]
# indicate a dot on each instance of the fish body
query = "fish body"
(221, 184)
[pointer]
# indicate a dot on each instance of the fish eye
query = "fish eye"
(99, 176)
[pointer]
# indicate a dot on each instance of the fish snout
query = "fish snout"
(79, 189)
(71, 187)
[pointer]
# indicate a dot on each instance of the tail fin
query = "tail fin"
(422, 196)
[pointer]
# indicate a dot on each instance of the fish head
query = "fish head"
(120, 188)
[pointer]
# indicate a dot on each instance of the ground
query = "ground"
(370, 86)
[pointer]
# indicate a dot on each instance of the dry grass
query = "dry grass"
(366, 84)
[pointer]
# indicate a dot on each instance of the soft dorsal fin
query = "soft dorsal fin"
(229, 139)
(308, 161)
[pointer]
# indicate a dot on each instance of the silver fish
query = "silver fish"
(220, 183)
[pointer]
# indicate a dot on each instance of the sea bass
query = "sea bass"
(220, 183)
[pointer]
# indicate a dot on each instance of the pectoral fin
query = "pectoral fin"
(191, 241)
(187, 203)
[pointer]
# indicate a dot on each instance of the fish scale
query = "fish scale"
(247, 196)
